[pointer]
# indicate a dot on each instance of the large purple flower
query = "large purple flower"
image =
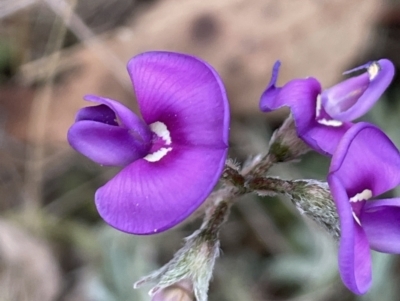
(323, 117)
(365, 164)
(172, 159)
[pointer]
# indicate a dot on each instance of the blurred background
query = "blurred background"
(54, 246)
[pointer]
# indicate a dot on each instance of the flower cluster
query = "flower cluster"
(174, 154)
(364, 164)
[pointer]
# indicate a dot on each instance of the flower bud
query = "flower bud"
(311, 197)
(181, 291)
(314, 199)
(285, 143)
(190, 270)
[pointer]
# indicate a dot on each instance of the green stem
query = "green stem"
(270, 184)
(214, 219)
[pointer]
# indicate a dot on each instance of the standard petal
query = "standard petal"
(354, 254)
(381, 222)
(300, 95)
(366, 159)
(127, 118)
(107, 144)
(379, 77)
(184, 93)
(100, 113)
(151, 197)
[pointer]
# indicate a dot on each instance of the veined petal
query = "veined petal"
(354, 254)
(366, 159)
(181, 148)
(184, 93)
(352, 98)
(127, 118)
(381, 222)
(107, 144)
(151, 197)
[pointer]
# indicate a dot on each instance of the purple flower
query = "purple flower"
(365, 164)
(173, 157)
(322, 118)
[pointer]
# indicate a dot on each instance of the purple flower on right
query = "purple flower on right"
(323, 116)
(365, 164)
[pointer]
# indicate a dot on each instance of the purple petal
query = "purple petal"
(100, 113)
(300, 95)
(354, 254)
(352, 98)
(366, 159)
(127, 118)
(184, 93)
(324, 139)
(151, 197)
(344, 95)
(107, 144)
(270, 93)
(381, 222)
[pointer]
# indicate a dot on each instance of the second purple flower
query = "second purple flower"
(365, 165)
(323, 116)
